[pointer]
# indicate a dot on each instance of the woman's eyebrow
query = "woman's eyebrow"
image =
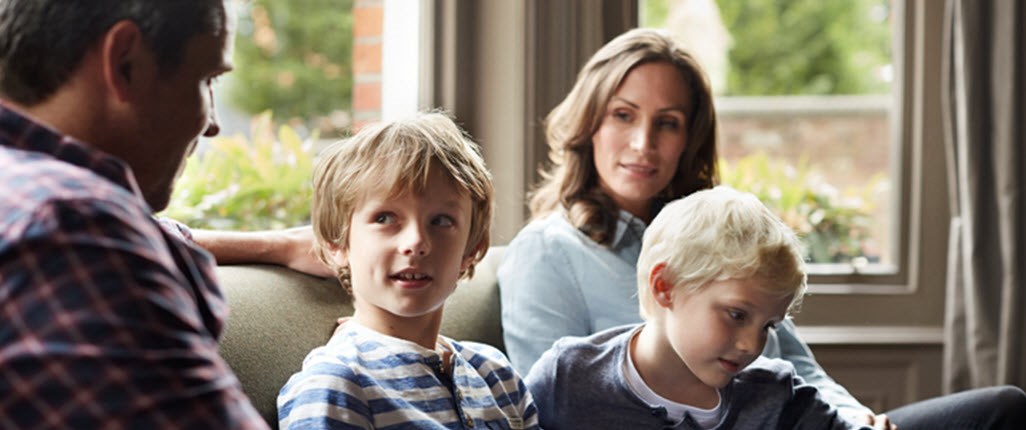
(681, 108)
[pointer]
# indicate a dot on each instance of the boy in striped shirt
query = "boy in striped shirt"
(401, 211)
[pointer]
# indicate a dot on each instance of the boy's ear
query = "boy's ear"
(468, 259)
(340, 255)
(661, 289)
(465, 264)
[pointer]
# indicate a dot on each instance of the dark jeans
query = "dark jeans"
(994, 408)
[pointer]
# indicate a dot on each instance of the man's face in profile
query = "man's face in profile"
(180, 109)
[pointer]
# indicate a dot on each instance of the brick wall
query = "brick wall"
(367, 38)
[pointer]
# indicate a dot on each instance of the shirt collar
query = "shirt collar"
(19, 131)
(629, 230)
(394, 345)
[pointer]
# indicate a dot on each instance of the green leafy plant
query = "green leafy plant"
(833, 225)
(800, 47)
(240, 184)
(294, 57)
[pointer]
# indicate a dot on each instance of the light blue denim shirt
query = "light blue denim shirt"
(554, 281)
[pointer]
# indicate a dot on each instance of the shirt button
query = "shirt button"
(470, 421)
(459, 396)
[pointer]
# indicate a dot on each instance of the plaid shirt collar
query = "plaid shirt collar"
(19, 131)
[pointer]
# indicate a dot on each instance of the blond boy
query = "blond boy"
(401, 211)
(717, 272)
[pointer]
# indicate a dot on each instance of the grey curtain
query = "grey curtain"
(561, 36)
(985, 120)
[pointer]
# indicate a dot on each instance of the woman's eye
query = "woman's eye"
(444, 221)
(384, 218)
(622, 116)
(668, 124)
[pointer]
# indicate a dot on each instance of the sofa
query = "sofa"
(278, 315)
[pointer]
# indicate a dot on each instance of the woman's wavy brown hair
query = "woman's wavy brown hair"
(571, 181)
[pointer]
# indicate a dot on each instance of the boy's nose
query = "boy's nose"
(750, 341)
(415, 242)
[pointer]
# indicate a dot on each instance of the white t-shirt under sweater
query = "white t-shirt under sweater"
(706, 418)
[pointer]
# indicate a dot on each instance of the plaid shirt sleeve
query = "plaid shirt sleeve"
(103, 327)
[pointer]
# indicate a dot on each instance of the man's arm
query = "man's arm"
(290, 247)
(102, 328)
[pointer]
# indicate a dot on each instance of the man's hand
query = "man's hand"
(298, 252)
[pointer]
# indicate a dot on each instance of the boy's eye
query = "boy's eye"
(384, 218)
(443, 221)
(736, 315)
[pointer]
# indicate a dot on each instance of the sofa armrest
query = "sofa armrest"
(276, 316)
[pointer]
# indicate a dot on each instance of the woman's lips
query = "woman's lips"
(638, 169)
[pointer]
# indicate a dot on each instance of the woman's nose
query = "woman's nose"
(641, 139)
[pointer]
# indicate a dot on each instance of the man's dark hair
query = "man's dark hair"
(43, 41)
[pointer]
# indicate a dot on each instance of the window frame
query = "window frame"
(467, 81)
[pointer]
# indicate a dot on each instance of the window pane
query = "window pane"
(804, 100)
(295, 87)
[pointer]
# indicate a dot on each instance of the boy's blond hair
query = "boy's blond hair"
(720, 234)
(395, 157)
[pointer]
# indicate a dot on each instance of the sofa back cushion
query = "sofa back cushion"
(278, 315)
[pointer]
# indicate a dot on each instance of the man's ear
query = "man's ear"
(124, 57)
(660, 288)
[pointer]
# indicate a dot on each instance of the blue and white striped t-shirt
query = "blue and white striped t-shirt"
(364, 379)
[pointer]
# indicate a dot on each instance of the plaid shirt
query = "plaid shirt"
(107, 320)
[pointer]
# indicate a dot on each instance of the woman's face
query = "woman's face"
(642, 135)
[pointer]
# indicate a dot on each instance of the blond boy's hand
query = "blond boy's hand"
(878, 422)
(341, 321)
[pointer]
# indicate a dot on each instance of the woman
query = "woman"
(639, 129)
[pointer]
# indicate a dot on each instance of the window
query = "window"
(805, 97)
(306, 72)
(539, 46)
(515, 60)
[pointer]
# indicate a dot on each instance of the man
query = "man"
(107, 319)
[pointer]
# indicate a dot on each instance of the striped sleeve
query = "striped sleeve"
(507, 388)
(323, 396)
